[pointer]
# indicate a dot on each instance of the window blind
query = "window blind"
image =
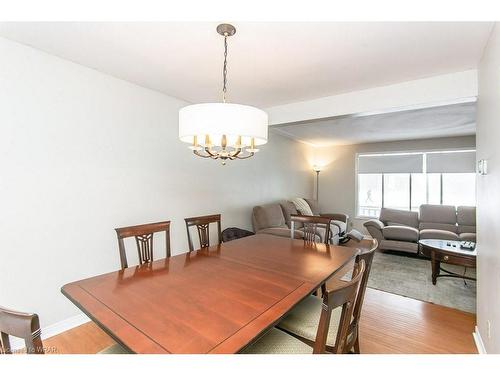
(397, 163)
(451, 162)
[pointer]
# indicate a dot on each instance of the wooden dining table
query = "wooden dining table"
(215, 300)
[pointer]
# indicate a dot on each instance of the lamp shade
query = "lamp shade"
(236, 121)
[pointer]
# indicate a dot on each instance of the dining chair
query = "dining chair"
(202, 224)
(313, 228)
(303, 318)
(21, 325)
(26, 326)
(334, 313)
(144, 240)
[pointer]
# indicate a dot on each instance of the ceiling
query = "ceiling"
(269, 63)
(437, 122)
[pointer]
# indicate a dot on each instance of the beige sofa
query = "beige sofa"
(401, 230)
(275, 219)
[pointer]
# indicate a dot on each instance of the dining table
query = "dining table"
(213, 300)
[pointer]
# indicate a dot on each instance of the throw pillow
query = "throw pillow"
(302, 206)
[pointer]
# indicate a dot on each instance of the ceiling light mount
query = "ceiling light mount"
(226, 29)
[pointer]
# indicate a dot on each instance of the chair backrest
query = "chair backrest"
(312, 227)
(367, 248)
(144, 240)
(202, 224)
(21, 325)
(343, 296)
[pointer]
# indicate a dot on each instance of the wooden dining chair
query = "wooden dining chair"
(367, 249)
(21, 325)
(144, 240)
(26, 326)
(312, 227)
(330, 324)
(304, 317)
(202, 224)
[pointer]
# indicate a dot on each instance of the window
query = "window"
(397, 190)
(405, 181)
(459, 189)
(369, 194)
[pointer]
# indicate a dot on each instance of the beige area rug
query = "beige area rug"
(411, 277)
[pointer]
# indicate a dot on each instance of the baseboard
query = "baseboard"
(53, 329)
(478, 341)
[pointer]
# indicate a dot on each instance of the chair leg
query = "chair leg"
(356, 346)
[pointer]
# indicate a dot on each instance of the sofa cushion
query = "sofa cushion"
(282, 232)
(438, 234)
(391, 216)
(289, 209)
(314, 205)
(467, 237)
(268, 216)
(438, 226)
(400, 233)
(302, 206)
(466, 219)
(435, 216)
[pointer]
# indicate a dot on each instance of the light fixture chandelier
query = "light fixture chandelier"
(224, 131)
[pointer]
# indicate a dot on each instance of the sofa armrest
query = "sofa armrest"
(374, 223)
(340, 217)
(375, 227)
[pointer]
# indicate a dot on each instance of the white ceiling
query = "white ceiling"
(445, 121)
(269, 63)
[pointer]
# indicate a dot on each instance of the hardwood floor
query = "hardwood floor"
(389, 324)
(395, 324)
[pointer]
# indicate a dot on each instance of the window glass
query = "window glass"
(434, 188)
(418, 191)
(459, 189)
(369, 194)
(397, 191)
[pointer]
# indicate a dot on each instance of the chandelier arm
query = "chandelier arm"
(245, 157)
(197, 153)
(235, 154)
(207, 150)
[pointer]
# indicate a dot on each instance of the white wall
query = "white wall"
(488, 188)
(337, 180)
(82, 153)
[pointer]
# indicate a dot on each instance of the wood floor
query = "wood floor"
(389, 324)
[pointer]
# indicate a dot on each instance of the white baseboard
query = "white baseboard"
(478, 341)
(54, 329)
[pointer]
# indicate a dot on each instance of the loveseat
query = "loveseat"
(275, 219)
(401, 230)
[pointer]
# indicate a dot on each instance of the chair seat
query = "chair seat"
(303, 320)
(114, 349)
(278, 342)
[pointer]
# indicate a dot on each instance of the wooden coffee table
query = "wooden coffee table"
(447, 252)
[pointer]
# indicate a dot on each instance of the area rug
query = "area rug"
(411, 277)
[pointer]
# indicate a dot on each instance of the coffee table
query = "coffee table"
(447, 252)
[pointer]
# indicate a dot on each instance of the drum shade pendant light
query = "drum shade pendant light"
(224, 131)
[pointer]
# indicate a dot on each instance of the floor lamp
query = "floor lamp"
(317, 169)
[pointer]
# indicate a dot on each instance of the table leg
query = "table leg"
(436, 267)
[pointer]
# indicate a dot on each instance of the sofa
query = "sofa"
(275, 219)
(401, 230)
